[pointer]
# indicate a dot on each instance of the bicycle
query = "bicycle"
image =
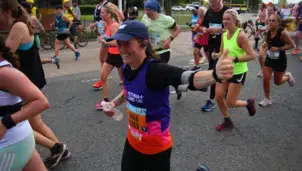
(48, 40)
(82, 37)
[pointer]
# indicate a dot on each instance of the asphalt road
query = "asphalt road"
(271, 140)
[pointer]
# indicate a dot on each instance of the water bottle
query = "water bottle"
(118, 115)
(101, 28)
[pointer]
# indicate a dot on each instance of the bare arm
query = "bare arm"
(117, 11)
(18, 84)
(203, 79)
(223, 71)
(289, 44)
(244, 44)
(119, 99)
(15, 36)
(176, 31)
(38, 23)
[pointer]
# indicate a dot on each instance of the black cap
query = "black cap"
(59, 6)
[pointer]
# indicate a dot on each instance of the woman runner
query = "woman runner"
(100, 26)
(201, 40)
(146, 91)
(21, 41)
(37, 29)
(241, 51)
(63, 24)
(17, 143)
(113, 59)
(277, 42)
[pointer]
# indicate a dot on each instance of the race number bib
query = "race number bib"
(137, 121)
(155, 41)
(273, 55)
(215, 25)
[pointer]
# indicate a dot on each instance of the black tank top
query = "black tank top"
(276, 42)
(31, 66)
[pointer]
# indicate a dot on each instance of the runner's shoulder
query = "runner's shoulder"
(19, 25)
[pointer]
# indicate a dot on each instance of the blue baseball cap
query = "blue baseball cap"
(130, 29)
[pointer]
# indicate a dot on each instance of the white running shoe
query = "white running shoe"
(260, 74)
(265, 102)
(291, 80)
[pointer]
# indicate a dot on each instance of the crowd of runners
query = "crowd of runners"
(140, 51)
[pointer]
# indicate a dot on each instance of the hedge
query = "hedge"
(87, 9)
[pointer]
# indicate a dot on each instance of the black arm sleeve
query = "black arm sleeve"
(173, 26)
(161, 75)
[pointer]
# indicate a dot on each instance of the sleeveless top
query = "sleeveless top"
(23, 129)
(275, 42)
(235, 51)
(148, 115)
(201, 38)
(60, 24)
(30, 63)
(194, 20)
(69, 13)
(111, 49)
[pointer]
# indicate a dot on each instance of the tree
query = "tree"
(253, 4)
(167, 7)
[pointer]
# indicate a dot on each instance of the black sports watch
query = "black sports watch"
(236, 60)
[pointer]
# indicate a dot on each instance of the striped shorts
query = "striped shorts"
(16, 156)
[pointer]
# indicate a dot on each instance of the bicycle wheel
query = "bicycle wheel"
(47, 41)
(248, 31)
(82, 39)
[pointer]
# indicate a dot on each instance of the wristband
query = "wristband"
(215, 76)
(236, 60)
(8, 122)
(171, 38)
